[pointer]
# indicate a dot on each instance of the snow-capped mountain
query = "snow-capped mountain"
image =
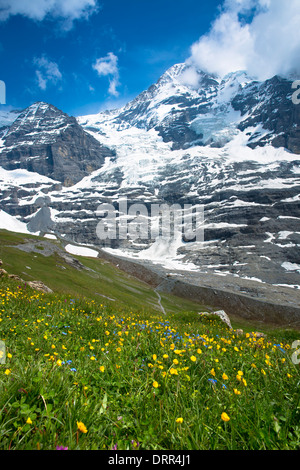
(211, 112)
(231, 145)
(47, 141)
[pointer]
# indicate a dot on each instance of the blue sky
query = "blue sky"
(86, 55)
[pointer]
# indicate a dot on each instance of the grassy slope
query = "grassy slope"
(128, 373)
(100, 282)
(175, 382)
(103, 281)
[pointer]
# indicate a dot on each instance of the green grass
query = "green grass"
(138, 379)
(133, 377)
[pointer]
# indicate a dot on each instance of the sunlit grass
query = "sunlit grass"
(84, 375)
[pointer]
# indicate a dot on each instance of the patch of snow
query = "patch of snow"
(50, 236)
(21, 177)
(12, 224)
(81, 251)
(291, 266)
(284, 235)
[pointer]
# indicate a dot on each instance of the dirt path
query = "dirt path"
(159, 301)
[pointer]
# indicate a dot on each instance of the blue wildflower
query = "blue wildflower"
(213, 381)
(280, 348)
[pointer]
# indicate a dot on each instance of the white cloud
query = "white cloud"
(189, 77)
(48, 72)
(42, 82)
(108, 66)
(68, 10)
(259, 36)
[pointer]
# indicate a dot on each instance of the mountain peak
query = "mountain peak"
(46, 140)
(173, 72)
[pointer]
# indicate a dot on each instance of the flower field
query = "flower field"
(85, 375)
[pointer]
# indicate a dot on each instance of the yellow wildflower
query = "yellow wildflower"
(81, 427)
(225, 417)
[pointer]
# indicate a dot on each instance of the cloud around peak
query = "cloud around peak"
(258, 36)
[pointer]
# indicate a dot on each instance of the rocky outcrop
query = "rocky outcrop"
(220, 314)
(40, 286)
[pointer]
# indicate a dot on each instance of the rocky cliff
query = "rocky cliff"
(47, 141)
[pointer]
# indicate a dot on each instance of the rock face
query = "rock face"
(40, 286)
(47, 141)
(269, 105)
